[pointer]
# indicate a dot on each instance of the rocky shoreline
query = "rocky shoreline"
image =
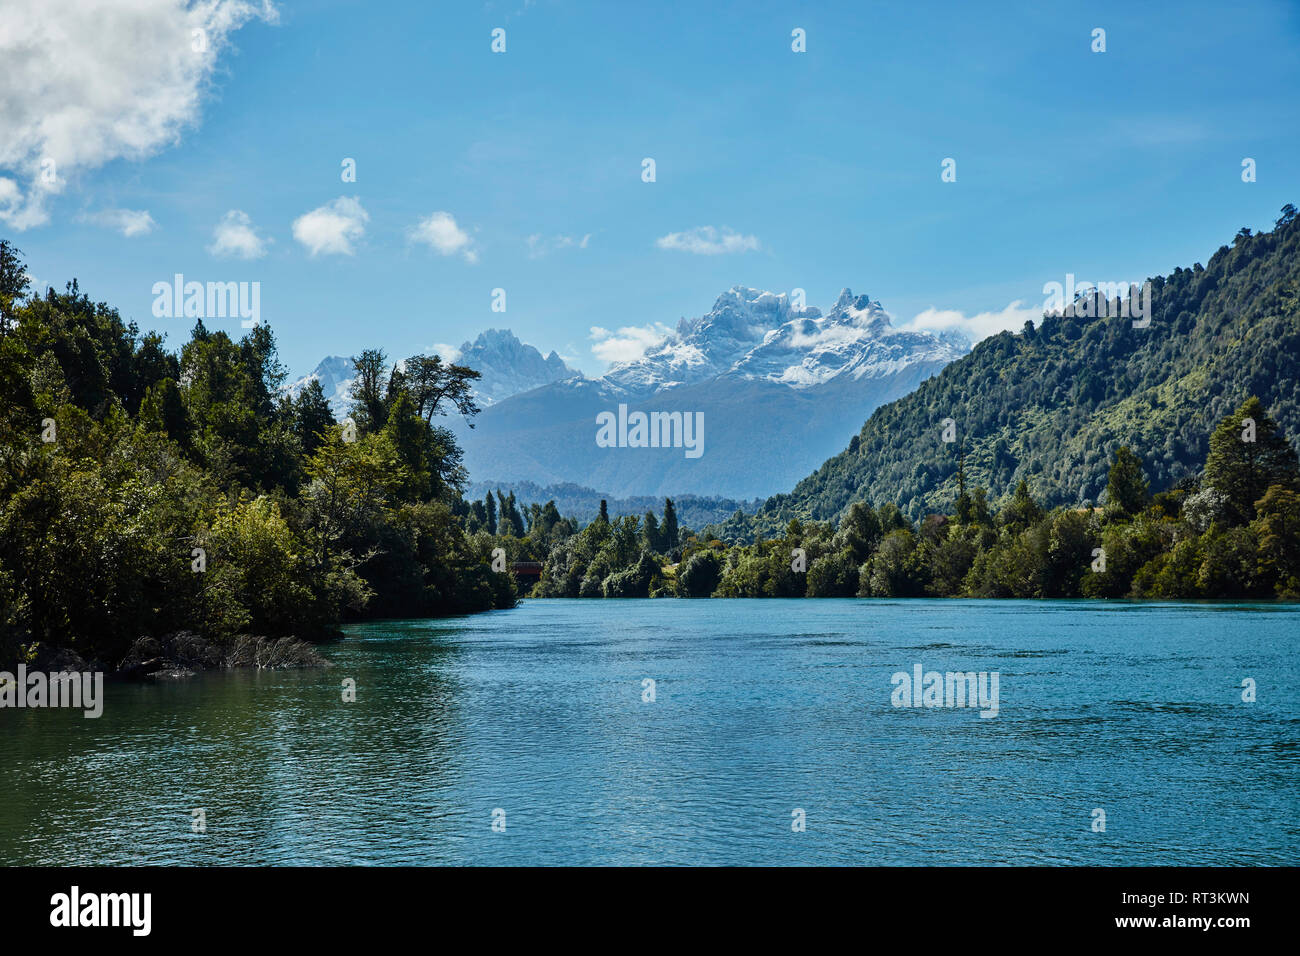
(184, 654)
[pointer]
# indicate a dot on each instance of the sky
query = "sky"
(133, 148)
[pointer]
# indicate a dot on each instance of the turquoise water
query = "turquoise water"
(761, 708)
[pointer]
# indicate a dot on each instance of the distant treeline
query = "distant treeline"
(1234, 532)
(145, 492)
(583, 504)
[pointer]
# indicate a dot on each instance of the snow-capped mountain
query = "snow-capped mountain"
(507, 367)
(704, 348)
(855, 339)
(335, 373)
(751, 334)
(780, 390)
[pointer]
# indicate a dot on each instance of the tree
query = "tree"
(634, 582)
(312, 416)
(13, 283)
(833, 575)
(490, 504)
(1248, 453)
(860, 531)
(700, 574)
(893, 570)
(163, 410)
(510, 521)
(1021, 511)
(650, 532)
(1126, 487)
(669, 532)
(370, 389)
(431, 383)
(412, 440)
(1278, 529)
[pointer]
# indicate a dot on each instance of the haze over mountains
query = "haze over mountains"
(780, 389)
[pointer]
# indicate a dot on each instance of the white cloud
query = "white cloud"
(441, 234)
(629, 343)
(86, 82)
(539, 245)
(445, 351)
(235, 236)
(979, 326)
(332, 228)
(129, 222)
(10, 197)
(707, 241)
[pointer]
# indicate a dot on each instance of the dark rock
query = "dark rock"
(53, 660)
(184, 654)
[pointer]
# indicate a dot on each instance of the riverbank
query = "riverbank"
(184, 654)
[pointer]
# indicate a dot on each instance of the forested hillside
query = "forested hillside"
(146, 492)
(1050, 404)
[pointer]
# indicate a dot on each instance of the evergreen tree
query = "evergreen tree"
(670, 533)
(650, 532)
(1278, 530)
(490, 504)
(503, 515)
(1126, 488)
(13, 283)
(1248, 453)
(312, 416)
(432, 383)
(511, 511)
(1021, 511)
(163, 410)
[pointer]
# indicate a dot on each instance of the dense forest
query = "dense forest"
(145, 492)
(1049, 405)
(1232, 533)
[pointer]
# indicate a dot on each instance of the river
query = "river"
(768, 736)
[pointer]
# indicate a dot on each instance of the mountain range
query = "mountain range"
(1050, 404)
(778, 387)
(507, 365)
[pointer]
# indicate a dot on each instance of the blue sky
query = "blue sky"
(823, 166)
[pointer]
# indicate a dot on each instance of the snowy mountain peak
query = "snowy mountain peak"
(859, 311)
(753, 334)
(335, 374)
(507, 367)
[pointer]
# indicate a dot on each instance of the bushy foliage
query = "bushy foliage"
(145, 492)
(1185, 544)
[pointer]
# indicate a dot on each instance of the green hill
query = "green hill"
(1050, 404)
